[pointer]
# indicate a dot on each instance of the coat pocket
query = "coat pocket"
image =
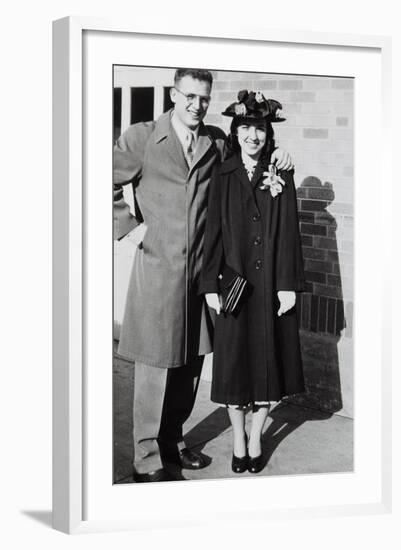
(149, 242)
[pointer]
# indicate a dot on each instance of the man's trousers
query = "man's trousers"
(163, 400)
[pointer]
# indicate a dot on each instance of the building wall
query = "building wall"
(318, 133)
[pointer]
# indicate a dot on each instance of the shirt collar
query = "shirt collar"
(181, 130)
(248, 162)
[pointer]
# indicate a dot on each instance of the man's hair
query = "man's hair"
(199, 74)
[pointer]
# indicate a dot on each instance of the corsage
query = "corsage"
(272, 181)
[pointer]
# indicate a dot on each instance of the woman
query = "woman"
(252, 268)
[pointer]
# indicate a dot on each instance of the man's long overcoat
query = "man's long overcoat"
(256, 353)
(165, 320)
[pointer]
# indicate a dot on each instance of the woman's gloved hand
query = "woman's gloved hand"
(213, 300)
(287, 299)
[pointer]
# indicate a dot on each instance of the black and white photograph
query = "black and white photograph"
(201, 312)
(233, 264)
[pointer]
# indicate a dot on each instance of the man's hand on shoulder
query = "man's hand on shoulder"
(282, 159)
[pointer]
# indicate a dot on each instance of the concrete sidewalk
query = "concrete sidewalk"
(297, 440)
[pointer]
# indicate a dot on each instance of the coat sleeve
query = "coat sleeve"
(220, 140)
(289, 268)
(213, 256)
(128, 157)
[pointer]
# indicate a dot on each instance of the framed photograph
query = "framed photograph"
(326, 99)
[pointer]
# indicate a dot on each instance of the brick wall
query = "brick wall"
(318, 133)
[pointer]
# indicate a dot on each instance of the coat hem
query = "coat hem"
(291, 285)
(152, 362)
(244, 402)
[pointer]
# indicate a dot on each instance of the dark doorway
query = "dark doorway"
(167, 103)
(116, 113)
(142, 101)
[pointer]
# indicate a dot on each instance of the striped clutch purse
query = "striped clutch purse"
(232, 290)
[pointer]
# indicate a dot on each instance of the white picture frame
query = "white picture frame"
(73, 433)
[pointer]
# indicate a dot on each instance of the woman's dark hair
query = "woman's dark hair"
(198, 74)
(233, 146)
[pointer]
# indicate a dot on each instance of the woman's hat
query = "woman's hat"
(255, 105)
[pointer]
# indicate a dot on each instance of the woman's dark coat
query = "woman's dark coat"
(256, 353)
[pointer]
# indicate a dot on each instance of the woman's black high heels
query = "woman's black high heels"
(255, 464)
(239, 465)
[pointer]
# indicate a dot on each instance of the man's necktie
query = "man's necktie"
(189, 148)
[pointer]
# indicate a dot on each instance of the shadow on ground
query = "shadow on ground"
(297, 439)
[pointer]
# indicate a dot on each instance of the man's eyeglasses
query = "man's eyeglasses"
(204, 100)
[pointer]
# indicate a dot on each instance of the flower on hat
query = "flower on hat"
(274, 108)
(240, 109)
(242, 95)
(254, 105)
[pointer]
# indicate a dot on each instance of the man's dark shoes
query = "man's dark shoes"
(185, 458)
(256, 464)
(190, 460)
(239, 465)
(156, 475)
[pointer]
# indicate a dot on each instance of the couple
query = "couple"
(178, 167)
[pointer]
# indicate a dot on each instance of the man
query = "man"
(166, 328)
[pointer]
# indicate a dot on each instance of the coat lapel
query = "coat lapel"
(165, 134)
(257, 175)
(203, 144)
(234, 164)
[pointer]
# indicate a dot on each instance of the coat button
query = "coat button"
(257, 241)
(258, 264)
(256, 217)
